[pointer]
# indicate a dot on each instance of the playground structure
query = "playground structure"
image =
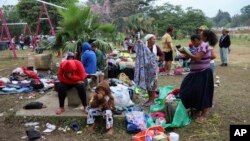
(36, 36)
(52, 31)
(26, 29)
(5, 26)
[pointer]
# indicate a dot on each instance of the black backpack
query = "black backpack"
(34, 105)
(33, 134)
(36, 84)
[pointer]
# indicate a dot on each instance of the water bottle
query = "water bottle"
(181, 62)
(173, 136)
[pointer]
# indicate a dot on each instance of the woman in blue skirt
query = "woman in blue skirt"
(197, 88)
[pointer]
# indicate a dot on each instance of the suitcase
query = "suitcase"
(170, 110)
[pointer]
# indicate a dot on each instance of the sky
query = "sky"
(209, 7)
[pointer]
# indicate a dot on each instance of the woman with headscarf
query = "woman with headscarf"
(150, 43)
(146, 69)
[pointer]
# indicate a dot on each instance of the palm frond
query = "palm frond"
(105, 47)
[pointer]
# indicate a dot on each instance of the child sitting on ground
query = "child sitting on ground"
(101, 104)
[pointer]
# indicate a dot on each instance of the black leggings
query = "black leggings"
(81, 89)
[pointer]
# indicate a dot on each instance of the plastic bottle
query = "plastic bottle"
(173, 136)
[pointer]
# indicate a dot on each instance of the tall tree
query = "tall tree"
(12, 16)
(80, 24)
(198, 19)
(167, 15)
(245, 17)
(184, 22)
(138, 23)
(222, 19)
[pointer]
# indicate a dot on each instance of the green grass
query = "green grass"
(231, 102)
(235, 40)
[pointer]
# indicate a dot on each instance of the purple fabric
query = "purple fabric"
(204, 63)
(145, 68)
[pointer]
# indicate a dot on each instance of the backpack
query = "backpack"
(34, 105)
(135, 121)
(33, 134)
(36, 84)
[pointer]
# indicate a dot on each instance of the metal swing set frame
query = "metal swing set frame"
(34, 42)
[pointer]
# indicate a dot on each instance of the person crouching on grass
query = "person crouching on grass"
(101, 104)
(197, 88)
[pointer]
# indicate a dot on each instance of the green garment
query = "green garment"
(100, 59)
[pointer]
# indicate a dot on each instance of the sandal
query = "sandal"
(59, 111)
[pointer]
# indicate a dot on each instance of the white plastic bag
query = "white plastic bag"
(121, 96)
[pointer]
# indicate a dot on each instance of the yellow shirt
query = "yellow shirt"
(166, 38)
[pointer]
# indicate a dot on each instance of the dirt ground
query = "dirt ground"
(231, 103)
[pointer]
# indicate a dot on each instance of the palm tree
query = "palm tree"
(79, 24)
(138, 23)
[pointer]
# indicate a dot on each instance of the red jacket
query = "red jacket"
(73, 66)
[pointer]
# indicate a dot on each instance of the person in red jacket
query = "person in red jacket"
(71, 74)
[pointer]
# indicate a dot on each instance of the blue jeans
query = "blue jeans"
(212, 67)
(224, 55)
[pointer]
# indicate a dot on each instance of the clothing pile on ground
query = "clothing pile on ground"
(121, 62)
(167, 112)
(24, 80)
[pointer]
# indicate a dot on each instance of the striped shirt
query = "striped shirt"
(204, 63)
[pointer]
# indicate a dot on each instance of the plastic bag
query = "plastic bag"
(181, 117)
(124, 78)
(178, 71)
(121, 97)
(159, 104)
(178, 118)
(150, 134)
(135, 121)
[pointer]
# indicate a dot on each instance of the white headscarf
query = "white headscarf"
(146, 38)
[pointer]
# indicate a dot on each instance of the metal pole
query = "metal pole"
(14, 24)
(51, 4)
(37, 27)
(50, 23)
(8, 33)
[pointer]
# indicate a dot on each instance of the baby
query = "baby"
(101, 104)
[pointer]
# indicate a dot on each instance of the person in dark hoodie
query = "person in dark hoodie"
(88, 58)
(224, 44)
(71, 74)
